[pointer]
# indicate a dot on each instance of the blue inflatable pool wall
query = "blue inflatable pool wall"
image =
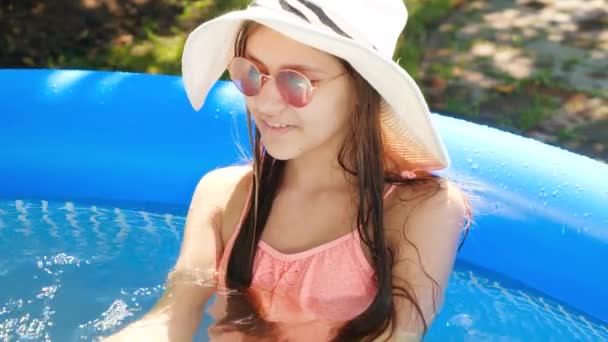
(541, 213)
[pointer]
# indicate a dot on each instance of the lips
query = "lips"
(275, 127)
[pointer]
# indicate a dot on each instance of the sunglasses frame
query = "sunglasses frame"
(265, 78)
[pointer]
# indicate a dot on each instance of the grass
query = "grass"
(423, 18)
(461, 45)
(445, 71)
(542, 108)
(162, 54)
(156, 36)
(566, 134)
(150, 51)
(506, 123)
(462, 107)
(569, 64)
(153, 55)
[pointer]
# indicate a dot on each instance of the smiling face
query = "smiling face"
(324, 122)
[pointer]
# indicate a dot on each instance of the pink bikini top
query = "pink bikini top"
(315, 290)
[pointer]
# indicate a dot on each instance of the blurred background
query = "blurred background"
(537, 68)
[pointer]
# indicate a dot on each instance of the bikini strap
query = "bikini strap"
(389, 191)
(237, 229)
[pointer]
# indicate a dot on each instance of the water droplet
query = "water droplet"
(505, 187)
(555, 193)
(474, 166)
(545, 203)
(502, 164)
(586, 215)
(565, 184)
(526, 165)
(460, 320)
(469, 160)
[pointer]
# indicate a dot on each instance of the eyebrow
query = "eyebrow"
(298, 67)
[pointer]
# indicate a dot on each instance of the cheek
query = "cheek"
(325, 121)
(332, 111)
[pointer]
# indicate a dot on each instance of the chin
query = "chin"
(282, 152)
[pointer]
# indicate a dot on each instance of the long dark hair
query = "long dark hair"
(361, 156)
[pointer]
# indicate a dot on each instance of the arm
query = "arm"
(177, 314)
(434, 227)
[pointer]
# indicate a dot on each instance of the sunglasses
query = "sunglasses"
(295, 88)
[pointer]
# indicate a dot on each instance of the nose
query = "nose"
(269, 100)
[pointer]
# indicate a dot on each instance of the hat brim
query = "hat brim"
(210, 47)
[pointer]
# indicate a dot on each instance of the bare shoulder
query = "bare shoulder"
(448, 200)
(424, 226)
(220, 183)
(228, 188)
(437, 208)
(193, 280)
(202, 241)
(432, 202)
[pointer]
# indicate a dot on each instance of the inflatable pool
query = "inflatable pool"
(97, 169)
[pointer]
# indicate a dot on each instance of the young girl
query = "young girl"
(337, 230)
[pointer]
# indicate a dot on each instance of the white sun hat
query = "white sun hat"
(362, 32)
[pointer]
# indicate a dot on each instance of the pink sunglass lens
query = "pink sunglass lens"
(245, 76)
(294, 88)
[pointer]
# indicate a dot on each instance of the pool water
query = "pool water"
(78, 271)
